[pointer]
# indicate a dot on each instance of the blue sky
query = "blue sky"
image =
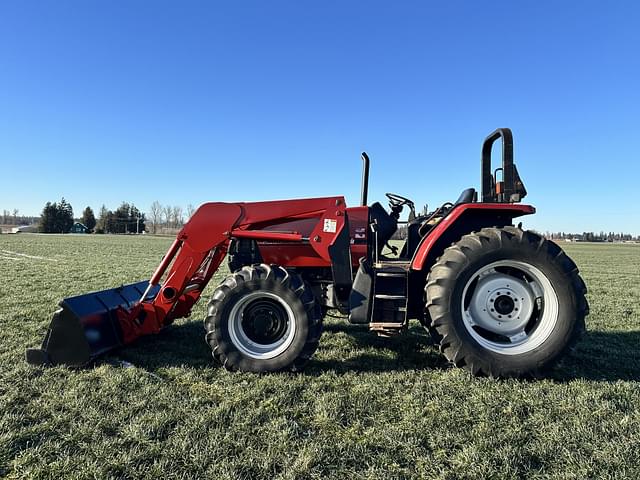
(187, 102)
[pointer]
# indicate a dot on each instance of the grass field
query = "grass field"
(366, 407)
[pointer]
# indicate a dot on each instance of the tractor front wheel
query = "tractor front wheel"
(505, 302)
(262, 319)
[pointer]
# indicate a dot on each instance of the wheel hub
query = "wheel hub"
(264, 321)
(501, 303)
(505, 304)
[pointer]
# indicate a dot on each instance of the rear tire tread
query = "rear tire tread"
(441, 280)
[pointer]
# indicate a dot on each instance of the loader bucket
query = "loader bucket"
(86, 326)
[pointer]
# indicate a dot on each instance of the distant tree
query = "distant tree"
(122, 218)
(128, 219)
(64, 217)
(88, 218)
(167, 212)
(177, 216)
(111, 222)
(101, 225)
(155, 215)
(15, 216)
(56, 217)
(136, 220)
(190, 210)
(48, 218)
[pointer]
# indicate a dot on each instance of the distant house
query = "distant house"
(79, 228)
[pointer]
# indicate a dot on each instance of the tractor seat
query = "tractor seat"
(467, 196)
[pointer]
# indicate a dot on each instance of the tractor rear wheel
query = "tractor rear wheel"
(262, 319)
(505, 302)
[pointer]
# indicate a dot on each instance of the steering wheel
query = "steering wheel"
(396, 200)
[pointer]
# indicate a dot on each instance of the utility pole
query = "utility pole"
(138, 225)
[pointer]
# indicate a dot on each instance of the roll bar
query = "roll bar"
(511, 188)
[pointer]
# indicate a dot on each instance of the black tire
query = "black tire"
(479, 350)
(292, 302)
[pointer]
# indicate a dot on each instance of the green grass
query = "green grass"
(366, 407)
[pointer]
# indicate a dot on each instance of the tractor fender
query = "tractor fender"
(464, 219)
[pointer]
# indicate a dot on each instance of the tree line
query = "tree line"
(593, 236)
(165, 218)
(13, 217)
(127, 218)
(57, 217)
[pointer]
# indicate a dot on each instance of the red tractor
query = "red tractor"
(498, 300)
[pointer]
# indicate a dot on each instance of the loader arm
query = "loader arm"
(88, 325)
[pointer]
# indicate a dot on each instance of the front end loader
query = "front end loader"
(497, 299)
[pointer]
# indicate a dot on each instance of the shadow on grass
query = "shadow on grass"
(599, 356)
(412, 350)
(603, 356)
(184, 346)
(176, 346)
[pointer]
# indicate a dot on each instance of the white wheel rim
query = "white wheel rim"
(509, 307)
(251, 326)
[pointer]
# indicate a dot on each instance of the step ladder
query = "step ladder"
(389, 309)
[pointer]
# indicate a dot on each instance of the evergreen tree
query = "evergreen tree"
(122, 218)
(64, 217)
(56, 217)
(128, 219)
(88, 218)
(137, 220)
(47, 219)
(101, 225)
